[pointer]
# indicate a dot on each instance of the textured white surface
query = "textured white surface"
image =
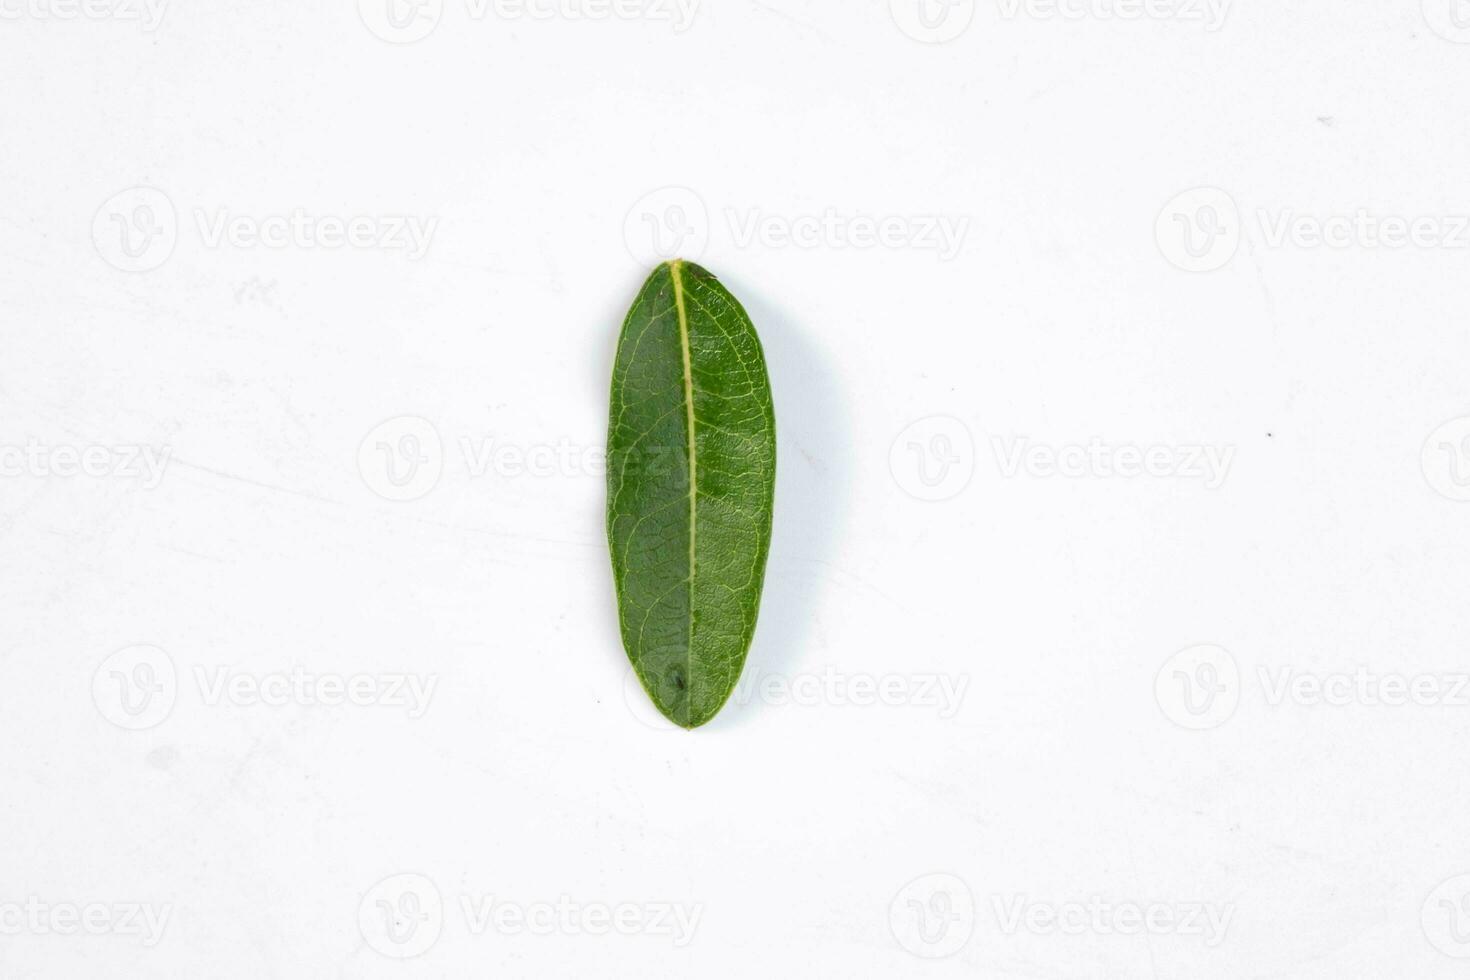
(982, 694)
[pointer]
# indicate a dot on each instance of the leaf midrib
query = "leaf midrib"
(676, 269)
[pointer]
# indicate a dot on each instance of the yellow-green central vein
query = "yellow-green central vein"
(677, 269)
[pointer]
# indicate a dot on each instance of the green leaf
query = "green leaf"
(690, 482)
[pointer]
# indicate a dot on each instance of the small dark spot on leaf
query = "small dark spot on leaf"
(164, 757)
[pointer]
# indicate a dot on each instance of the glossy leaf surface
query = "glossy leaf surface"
(691, 480)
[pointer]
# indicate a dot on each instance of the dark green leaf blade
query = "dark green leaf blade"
(690, 484)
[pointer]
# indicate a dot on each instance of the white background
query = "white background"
(1116, 643)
